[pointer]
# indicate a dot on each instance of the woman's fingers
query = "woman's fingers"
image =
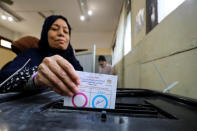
(63, 76)
(57, 73)
(53, 81)
(68, 68)
(43, 82)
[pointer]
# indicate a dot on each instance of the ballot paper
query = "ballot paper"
(95, 91)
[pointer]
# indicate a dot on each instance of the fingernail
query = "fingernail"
(70, 94)
(78, 82)
(77, 89)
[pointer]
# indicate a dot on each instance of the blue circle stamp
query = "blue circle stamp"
(99, 99)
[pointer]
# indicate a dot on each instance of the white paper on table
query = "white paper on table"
(95, 91)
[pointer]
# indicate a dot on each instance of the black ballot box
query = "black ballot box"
(135, 110)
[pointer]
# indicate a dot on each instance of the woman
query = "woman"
(51, 65)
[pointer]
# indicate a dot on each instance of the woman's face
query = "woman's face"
(58, 35)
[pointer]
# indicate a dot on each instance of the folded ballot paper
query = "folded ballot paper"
(95, 91)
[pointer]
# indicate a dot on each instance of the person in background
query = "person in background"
(104, 67)
(51, 65)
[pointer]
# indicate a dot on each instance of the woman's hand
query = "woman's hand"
(58, 74)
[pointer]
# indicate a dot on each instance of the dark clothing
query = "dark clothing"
(36, 57)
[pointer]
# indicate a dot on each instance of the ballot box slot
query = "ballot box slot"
(121, 109)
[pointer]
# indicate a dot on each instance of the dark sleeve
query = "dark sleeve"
(18, 81)
(12, 67)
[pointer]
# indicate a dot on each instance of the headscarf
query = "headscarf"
(43, 43)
